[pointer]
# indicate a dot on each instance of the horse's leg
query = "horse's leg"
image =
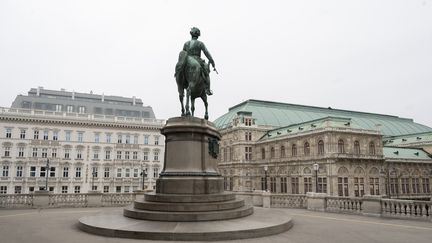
(204, 99)
(181, 97)
(193, 106)
(187, 102)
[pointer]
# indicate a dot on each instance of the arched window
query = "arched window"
(262, 153)
(272, 152)
(306, 148)
(321, 147)
(356, 147)
(341, 146)
(294, 150)
(372, 148)
(282, 151)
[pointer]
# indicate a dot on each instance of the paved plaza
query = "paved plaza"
(59, 225)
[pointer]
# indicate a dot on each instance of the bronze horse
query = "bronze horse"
(189, 77)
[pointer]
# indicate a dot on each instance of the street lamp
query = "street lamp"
(143, 174)
(316, 168)
(47, 168)
(265, 177)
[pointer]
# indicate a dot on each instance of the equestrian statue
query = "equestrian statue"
(192, 74)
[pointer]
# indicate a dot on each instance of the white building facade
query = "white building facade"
(83, 151)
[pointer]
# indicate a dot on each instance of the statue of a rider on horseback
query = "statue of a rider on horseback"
(192, 73)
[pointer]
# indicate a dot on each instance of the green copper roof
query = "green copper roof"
(335, 122)
(424, 138)
(267, 113)
(405, 153)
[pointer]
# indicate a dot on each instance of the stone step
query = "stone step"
(188, 198)
(189, 207)
(187, 216)
(263, 222)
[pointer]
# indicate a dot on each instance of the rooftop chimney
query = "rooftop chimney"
(38, 90)
(103, 97)
(133, 100)
(73, 94)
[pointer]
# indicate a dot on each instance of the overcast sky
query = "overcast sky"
(373, 56)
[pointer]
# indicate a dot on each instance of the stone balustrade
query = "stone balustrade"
(49, 200)
(406, 208)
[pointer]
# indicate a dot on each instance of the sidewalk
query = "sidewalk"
(59, 225)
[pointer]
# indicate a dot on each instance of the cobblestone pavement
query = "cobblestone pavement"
(59, 225)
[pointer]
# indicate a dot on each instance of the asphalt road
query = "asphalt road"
(59, 226)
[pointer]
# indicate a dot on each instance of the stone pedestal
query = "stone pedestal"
(41, 199)
(316, 201)
(266, 200)
(191, 149)
(371, 205)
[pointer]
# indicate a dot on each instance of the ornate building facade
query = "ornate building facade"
(84, 150)
(287, 148)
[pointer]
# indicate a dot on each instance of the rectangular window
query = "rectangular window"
(52, 172)
(415, 185)
(31, 188)
(107, 154)
(64, 189)
(127, 154)
(343, 186)
(108, 138)
(135, 141)
(19, 171)
(127, 141)
(248, 136)
(118, 189)
(284, 186)
(36, 134)
(42, 171)
(156, 140)
(78, 172)
(96, 154)
(96, 138)
(5, 172)
(67, 153)
(44, 152)
(45, 135)
(69, 108)
(426, 185)
(95, 172)
(33, 171)
(81, 109)
(22, 134)
(126, 189)
(79, 154)
(18, 189)
(273, 184)
(248, 121)
(54, 153)
(7, 152)
(65, 172)
(295, 185)
(77, 189)
(35, 152)
(119, 154)
(80, 136)
(106, 172)
(127, 172)
(55, 135)
(119, 172)
(145, 156)
(322, 185)
(106, 189)
(135, 155)
(119, 138)
(307, 184)
(3, 189)
(374, 186)
(263, 184)
(146, 139)
(58, 108)
(8, 132)
(155, 172)
(67, 135)
(21, 152)
(404, 186)
(156, 156)
(135, 172)
(394, 186)
(248, 153)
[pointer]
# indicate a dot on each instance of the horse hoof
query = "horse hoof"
(206, 117)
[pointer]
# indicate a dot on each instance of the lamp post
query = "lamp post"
(143, 174)
(316, 168)
(47, 168)
(265, 177)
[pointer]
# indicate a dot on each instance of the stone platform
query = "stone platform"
(263, 222)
